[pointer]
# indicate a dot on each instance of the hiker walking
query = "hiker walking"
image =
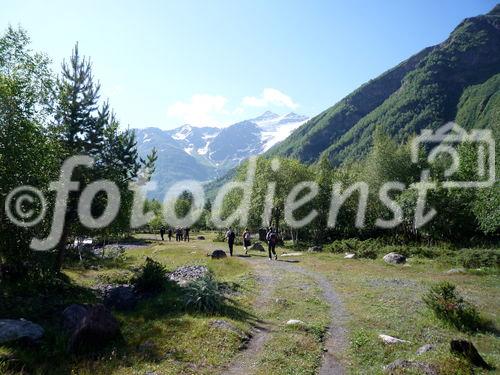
(162, 233)
(170, 233)
(230, 235)
(246, 240)
(178, 234)
(186, 234)
(272, 239)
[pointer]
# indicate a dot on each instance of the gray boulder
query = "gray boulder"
(454, 271)
(186, 274)
(95, 330)
(386, 339)
(424, 349)
(13, 329)
(72, 315)
(257, 246)
(400, 365)
(218, 254)
(121, 297)
(394, 258)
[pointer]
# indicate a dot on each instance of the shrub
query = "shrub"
(480, 258)
(366, 252)
(151, 277)
(115, 277)
(204, 295)
(363, 249)
(449, 306)
(220, 237)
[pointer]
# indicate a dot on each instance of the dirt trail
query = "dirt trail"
(245, 361)
(336, 341)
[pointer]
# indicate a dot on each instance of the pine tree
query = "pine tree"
(84, 128)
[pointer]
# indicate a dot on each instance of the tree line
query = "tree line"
(44, 119)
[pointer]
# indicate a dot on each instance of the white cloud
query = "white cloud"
(270, 96)
(202, 109)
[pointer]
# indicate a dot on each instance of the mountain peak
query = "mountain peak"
(267, 115)
(495, 11)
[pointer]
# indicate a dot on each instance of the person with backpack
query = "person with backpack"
(272, 239)
(230, 235)
(246, 240)
(170, 232)
(162, 233)
(186, 234)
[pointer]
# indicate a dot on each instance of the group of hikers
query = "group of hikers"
(271, 238)
(181, 234)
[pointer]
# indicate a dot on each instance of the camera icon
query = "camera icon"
(446, 139)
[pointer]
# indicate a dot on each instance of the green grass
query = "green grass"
(161, 336)
(387, 299)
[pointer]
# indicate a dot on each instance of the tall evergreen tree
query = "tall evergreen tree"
(85, 128)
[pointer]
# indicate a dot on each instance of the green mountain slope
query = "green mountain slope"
(422, 92)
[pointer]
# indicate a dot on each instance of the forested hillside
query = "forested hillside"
(422, 92)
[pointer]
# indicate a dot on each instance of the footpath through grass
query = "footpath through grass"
(162, 337)
(387, 299)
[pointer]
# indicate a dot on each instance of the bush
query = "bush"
(449, 306)
(363, 249)
(220, 237)
(480, 258)
(366, 252)
(151, 277)
(204, 295)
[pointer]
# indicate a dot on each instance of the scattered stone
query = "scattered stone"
(292, 255)
(225, 325)
(218, 254)
(12, 330)
(456, 271)
(392, 340)
(467, 350)
(281, 301)
(394, 258)
(72, 315)
(257, 246)
(424, 349)
(121, 297)
(146, 347)
(314, 249)
(201, 238)
(349, 256)
(403, 364)
(294, 322)
(186, 274)
(95, 330)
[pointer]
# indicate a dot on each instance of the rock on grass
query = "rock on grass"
(12, 330)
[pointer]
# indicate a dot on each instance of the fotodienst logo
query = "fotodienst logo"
(26, 206)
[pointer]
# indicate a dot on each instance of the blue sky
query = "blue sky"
(166, 63)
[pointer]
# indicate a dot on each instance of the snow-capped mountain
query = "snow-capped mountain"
(205, 153)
